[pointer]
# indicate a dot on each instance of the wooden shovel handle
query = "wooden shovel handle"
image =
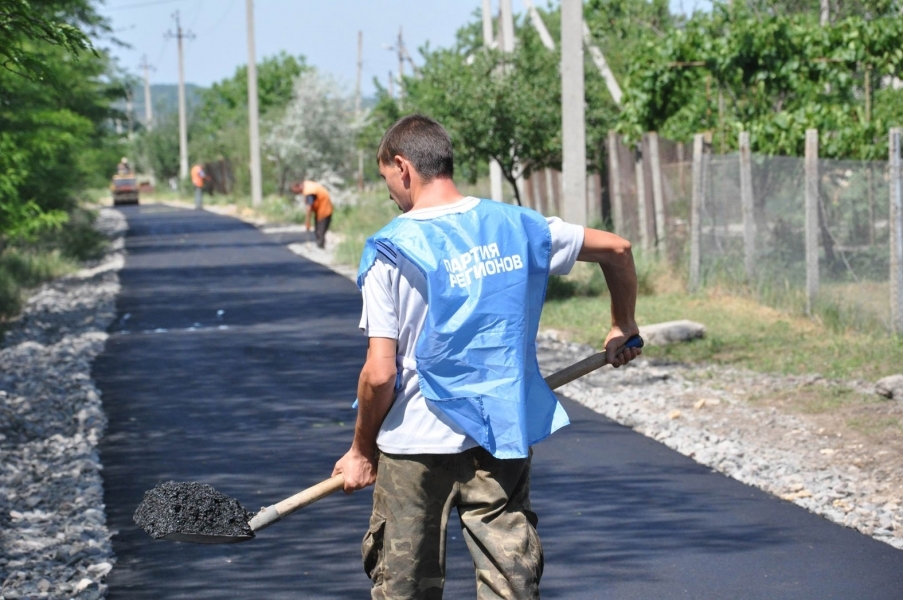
(311, 495)
(334, 484)
(587, 365)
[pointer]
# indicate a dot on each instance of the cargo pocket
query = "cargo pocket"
(535, 549)
(372, 551)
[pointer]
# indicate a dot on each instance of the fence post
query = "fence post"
(658, 195)
(695, 212)
(642, 217)
(811, 218)
(746, 200)
(896, 234)
(614, 182)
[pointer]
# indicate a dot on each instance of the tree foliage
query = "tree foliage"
(55, 110)
(314, 136)
(218, 128)
(774, 75)
(494, 105)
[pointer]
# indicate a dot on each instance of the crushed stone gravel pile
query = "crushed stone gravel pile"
(194, 508)
(54, 542)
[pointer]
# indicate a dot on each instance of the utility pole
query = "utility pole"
(128, 112)
(506, 26)
(540, 27)
(391, 85)
(495, 169)
(824, 17)
(357, 107)
(253, 112)
(148, 107)
(573, 126)
(183, 119)
(400, 48)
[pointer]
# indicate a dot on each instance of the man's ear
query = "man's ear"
(404, 166)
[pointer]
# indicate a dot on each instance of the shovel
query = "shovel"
(271, 514)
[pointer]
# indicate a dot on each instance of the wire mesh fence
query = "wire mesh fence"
(759, 245)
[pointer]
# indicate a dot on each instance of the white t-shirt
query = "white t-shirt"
(394, 308)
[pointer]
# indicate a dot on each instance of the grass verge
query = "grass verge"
(27, 264)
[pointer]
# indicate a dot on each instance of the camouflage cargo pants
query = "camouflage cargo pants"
(404, 548)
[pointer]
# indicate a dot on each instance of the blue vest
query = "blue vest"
(486, 272)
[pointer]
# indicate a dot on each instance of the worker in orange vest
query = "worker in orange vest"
(198, 177)
(319, 204)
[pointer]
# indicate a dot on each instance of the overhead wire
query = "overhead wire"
(142, 4)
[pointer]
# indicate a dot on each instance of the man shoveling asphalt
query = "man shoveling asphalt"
(451, 398)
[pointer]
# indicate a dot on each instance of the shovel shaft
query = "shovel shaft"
(271, 514)
(587, 365)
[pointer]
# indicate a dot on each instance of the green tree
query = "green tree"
(775, 76)
(497, 106)
(219, 126)
(55, 109)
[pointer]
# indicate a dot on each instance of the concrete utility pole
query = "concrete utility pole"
(148, 107)
(507, 43)
(599, 59)
(540, 26)
(495, 169)
(487, 23)
(183, 119)
(573, 126)
(506, 26)
(253, 112)
(357, 106)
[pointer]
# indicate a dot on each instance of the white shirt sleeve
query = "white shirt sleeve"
(379, 317)
(567, 241)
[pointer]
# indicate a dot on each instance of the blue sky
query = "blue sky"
(324, 31)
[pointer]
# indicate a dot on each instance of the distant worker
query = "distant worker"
(198, 177)
(124, 168)
(318, 203)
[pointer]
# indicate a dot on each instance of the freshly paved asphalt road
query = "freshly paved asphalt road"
(256, 401)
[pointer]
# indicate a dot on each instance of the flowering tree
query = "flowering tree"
(314, 137)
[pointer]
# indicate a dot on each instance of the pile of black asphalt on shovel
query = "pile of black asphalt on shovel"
(174, 509)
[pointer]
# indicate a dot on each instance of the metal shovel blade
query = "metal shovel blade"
(200, 538)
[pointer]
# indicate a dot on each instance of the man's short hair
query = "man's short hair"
(424, 142)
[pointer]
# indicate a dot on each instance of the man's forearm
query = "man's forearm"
(620, 276)
(375, 396)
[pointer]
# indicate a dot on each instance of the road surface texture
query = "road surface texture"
(234, 362)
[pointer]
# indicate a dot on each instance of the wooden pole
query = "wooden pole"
(183, 119)
(746, 200)
(896, 222)
(658, 196)
(148, 106)
(642, 217)
(614, 183)
(495, 170)
(811, 166)
(696, 212)
(868, 94)
(357, 106)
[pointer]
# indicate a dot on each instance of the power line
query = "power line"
(142, 4)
